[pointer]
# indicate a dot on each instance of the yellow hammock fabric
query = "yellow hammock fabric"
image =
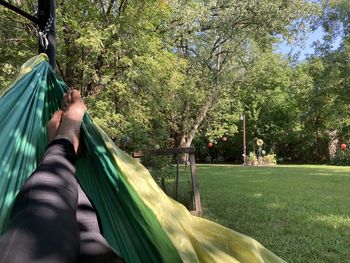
(138, 219)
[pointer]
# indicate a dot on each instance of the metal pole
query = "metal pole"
(18, 11)
(244, 142)
(46, 11)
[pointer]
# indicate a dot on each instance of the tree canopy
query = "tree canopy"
(174, 73)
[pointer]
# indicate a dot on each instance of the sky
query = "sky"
(307, 48)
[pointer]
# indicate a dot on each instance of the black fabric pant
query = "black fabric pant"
(52, 220)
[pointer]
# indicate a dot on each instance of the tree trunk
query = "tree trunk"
(333, 142)
(185, 140)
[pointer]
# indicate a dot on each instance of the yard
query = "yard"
(301, 213)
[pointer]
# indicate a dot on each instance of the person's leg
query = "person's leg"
(43, 226)
(93, 246)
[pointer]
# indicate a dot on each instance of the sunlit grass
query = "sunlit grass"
(301, 213)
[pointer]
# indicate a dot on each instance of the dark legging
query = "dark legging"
(52, 220)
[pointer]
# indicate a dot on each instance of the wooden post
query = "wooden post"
(177, 178)
(195, 185)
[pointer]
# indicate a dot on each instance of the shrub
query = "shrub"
(341, 157)
(269, 159)
(252, 159)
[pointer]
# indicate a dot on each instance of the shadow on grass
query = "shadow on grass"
(299, 212)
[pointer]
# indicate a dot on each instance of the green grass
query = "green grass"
(301, 213)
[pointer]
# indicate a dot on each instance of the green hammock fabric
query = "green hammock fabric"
(138, 219)
(129, 225)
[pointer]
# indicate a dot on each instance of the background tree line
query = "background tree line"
(178, 73)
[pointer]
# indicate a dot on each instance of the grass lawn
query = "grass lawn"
(301, 213)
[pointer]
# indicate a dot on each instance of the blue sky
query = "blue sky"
(306, 48)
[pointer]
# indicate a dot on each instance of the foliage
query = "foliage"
(218, 48)
(165, 72)
(252, 157)
(18, 42)
(160, 168)
(269, 159)
(341, 157)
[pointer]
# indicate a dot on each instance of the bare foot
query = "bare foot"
(53, 124)
(73, 111)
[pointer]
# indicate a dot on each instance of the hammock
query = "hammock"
(138, 220)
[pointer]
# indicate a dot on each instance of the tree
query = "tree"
(160, 69)
(324, 105)
(216, 40)
(18, 42)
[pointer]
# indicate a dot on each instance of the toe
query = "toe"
(57, 115)
(65, 101)
(75, 95)
(56, 118)
(53, 124)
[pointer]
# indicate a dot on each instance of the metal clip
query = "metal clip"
(44, 42)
